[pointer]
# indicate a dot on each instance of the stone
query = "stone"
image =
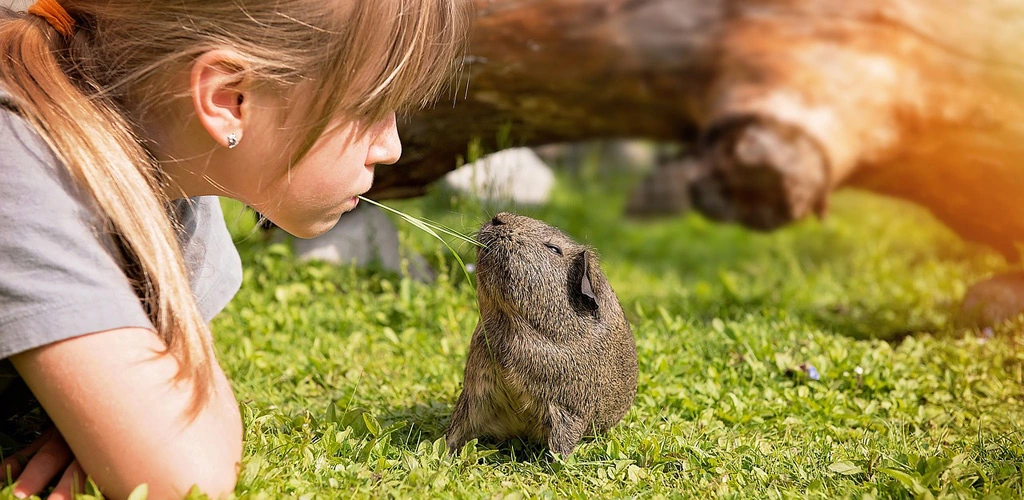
(608, 156)
(363, 237)
(517, 176)
(665, 191)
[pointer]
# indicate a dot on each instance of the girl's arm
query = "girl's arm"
(113, 398)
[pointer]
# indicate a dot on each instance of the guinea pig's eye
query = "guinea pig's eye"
(553, 248)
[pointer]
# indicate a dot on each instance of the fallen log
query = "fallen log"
(787, 100)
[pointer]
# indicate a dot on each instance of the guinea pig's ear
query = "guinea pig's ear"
(586, 289)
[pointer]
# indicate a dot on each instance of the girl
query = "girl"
(119, 120)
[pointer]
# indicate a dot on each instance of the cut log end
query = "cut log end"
(761, 173)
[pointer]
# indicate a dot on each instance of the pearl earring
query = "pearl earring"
(232, 140)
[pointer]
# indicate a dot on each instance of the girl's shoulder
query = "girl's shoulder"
(59, 272)
(20, 144)
(60, 269)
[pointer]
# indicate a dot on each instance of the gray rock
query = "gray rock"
(363, 237)
(514, 175)
(666, 190)
(606, 156)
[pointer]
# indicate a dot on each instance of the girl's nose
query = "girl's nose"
(386, 147)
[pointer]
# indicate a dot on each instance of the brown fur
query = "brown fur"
(546, 363)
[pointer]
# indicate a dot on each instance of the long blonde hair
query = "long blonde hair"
(86, 95)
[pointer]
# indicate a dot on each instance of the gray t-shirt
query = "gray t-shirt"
(59, 277)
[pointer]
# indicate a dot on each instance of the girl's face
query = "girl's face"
(307, 198)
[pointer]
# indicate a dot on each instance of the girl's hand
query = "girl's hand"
(38, 464)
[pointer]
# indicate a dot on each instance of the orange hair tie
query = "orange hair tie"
(56, 15)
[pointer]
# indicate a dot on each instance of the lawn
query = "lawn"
(347, 377)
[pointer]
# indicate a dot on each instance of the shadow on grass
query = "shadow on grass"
(427, 423)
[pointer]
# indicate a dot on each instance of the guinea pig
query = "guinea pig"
(552, 357)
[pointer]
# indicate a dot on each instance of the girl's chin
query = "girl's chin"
(314, 228)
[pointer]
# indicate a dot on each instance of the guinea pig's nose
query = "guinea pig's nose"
(496, 221)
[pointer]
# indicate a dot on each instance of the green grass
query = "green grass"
(347, 377)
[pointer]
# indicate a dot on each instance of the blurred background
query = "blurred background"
(749, 114)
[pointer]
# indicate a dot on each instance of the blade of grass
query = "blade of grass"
(425, 223)
(431, 230)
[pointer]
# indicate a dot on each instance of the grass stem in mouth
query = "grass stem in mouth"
(426, 224)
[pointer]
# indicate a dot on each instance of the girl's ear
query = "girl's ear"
(586, 288)
(219, 94)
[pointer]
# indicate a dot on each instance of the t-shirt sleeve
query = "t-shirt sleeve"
(58, 275)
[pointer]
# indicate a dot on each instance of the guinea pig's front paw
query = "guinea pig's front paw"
(566, 432)
(457, 436)
(562, 451)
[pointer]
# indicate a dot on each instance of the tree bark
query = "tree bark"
(787, 99)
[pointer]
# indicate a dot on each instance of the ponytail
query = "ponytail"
(90, 135)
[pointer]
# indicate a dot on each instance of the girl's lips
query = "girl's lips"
(350, 204)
